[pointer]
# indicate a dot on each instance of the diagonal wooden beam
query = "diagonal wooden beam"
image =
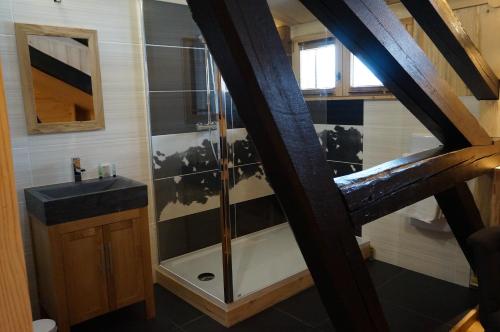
(444, 28)
(371, 31)
(245, 44)
(462, 214)
(386, 188)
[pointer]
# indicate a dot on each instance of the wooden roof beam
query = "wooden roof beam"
(373, 33)
(444, 28)
(245, 44)
(386, 188)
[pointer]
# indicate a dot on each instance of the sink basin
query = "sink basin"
(58, 203)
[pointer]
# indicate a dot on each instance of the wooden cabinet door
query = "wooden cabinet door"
(125, 263)
(85, 274)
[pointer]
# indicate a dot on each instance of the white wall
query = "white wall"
(45, 159)
(388, 129)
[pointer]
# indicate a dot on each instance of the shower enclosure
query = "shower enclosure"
(252, 245)
(223, 239)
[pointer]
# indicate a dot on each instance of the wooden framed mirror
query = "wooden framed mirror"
(61, 79)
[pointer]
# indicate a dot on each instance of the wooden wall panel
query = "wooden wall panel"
(15, 310)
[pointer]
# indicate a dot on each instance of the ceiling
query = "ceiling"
(285, 12)
(290, 12)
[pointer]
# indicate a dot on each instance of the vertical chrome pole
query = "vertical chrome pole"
(225, 222)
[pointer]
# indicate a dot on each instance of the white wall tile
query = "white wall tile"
(12, 85)
(6, 24)
(115, 20)
(51, 164)
(22, 171)
(123, 96)
(388, 131)
(45, 159)
(10, 66)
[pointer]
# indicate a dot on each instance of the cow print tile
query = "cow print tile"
(342, 143)
(183, 195)
(241, 147)
(341, 169)
(186, 153)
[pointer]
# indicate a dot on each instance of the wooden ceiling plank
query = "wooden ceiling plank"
(245, 44)
(444, 28)
(372, 32)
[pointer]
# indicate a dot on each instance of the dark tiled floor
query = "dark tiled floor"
(411, 302)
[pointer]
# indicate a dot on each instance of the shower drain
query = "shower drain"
(207, 276)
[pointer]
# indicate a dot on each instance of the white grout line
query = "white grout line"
(172, 46)
(11, 7)
(170, 91)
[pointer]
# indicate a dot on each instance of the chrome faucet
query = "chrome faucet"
(77, 169)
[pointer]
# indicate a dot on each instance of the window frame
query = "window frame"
(343, 88)
(361, 90)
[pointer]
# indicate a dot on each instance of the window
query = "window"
(361, 76)
(317, 64)
(325, 67)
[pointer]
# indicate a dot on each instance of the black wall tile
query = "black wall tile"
(177, 112)
(181, 28)
(174, 69)
(343, 112)
(341, 169)
(318, 110)
(258, 214)
(189, 233)
(236, 120)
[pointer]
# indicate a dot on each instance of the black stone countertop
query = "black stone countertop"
(64, 202)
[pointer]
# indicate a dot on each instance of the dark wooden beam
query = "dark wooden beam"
(462, 214)
(373, 33)
(245, 44)
(444, 28)
(386, 188)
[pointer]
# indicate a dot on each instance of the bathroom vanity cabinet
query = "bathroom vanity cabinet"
(92, 266)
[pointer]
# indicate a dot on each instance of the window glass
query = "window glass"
(361, 76)
(317, 64)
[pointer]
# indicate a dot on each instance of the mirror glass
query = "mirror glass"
(62, 79)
